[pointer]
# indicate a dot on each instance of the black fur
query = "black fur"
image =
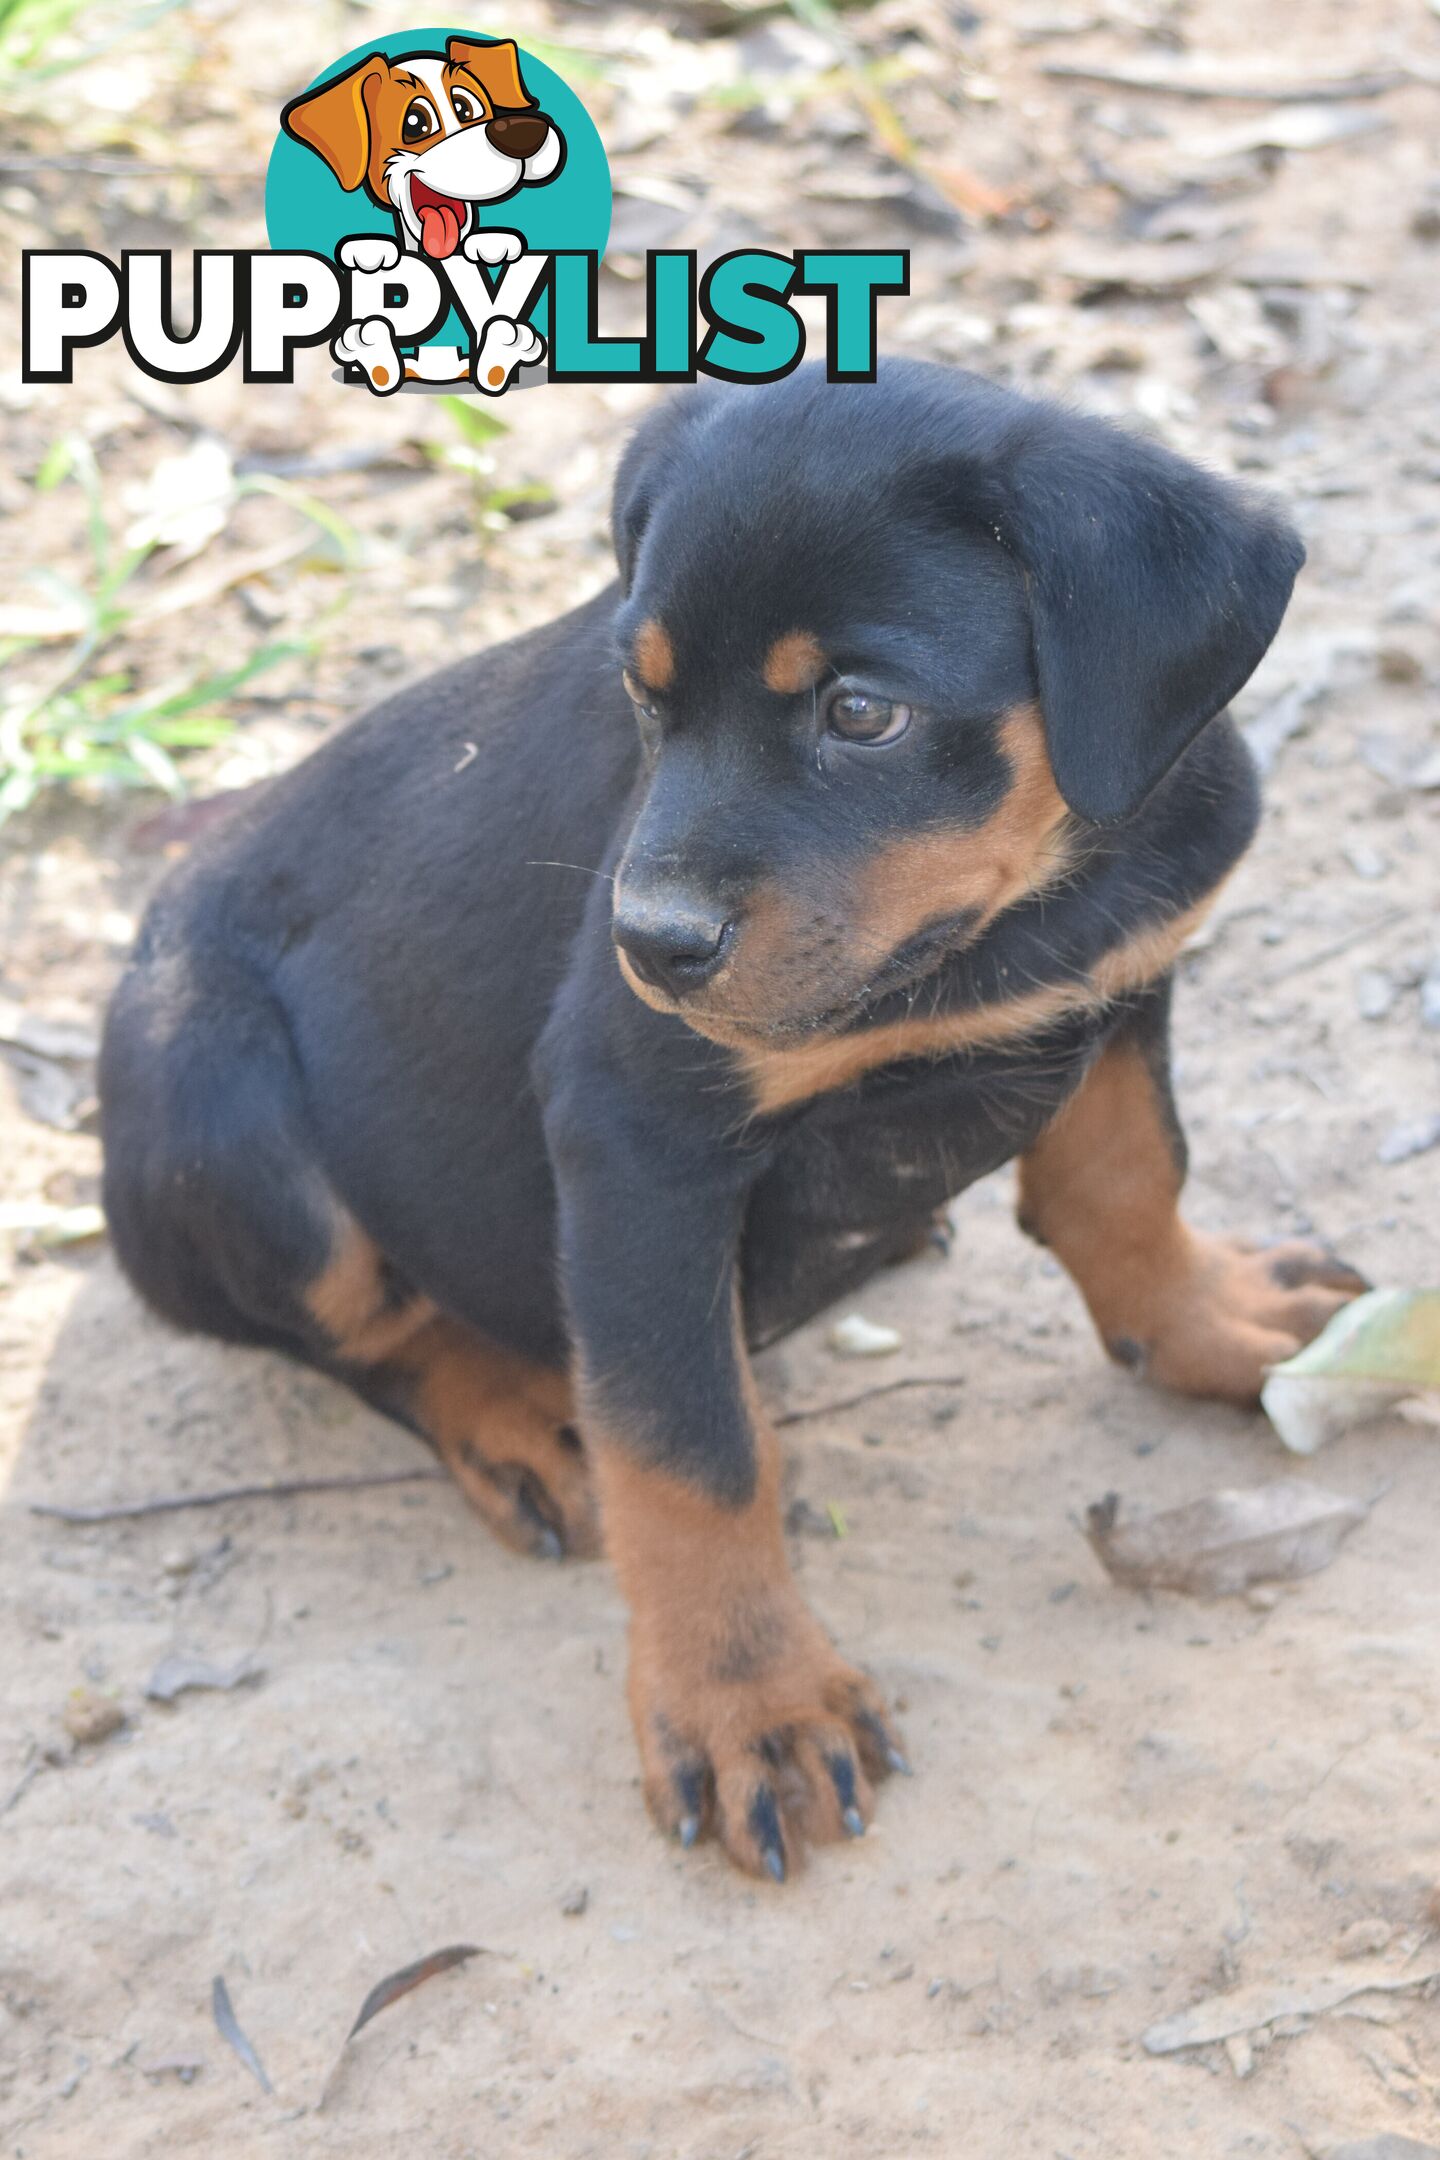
(391, 981)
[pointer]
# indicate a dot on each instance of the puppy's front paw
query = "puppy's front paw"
(368, 251)
(753, 1729)
(505, 347)
(493, 248)
(1235, 1310)
(370, 346)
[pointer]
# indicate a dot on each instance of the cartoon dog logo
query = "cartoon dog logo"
(430, 137)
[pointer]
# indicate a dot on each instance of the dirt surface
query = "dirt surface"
(1123, 1805)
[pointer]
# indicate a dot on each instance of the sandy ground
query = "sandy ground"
(1124, 1805)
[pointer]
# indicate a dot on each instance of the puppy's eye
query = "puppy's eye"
(419, 121)
(854, 717)
(466, 109)
(639, 697)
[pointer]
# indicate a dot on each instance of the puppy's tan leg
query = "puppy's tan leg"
(502, 1425)
(1204, 1315)
(750, 1722)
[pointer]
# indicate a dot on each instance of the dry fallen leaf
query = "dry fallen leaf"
(1248, 2009)
(182, 1670)
(400, 1983)
(1288, 127)
(1174, 266)
(1388, 2147)
(229, 2028)
(1374, 1353)
(1219, 1545)
(390, 1990)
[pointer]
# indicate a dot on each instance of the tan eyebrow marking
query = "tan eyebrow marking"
(654, 654)
(793, 663)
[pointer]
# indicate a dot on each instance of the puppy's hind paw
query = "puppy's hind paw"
(505, 347)
(370, 346)
(493, 248)
(368, 251)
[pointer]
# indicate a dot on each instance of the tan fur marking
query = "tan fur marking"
(929, 875)
(777, 969)
(1203, 1315)
(654, 655)
(348, 1301)
(781, 1078)
(724, 1652)
(793, 663)
(492, 1416)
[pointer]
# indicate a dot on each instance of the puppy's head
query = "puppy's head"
(430, 135)
(894, 650)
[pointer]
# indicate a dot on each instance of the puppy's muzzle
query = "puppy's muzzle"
(676, 944)
(517, 134)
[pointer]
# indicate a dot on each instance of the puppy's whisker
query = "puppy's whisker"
(606, 877)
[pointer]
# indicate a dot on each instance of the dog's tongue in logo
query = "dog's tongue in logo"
(441, 218)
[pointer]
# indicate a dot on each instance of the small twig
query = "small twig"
(1333, 92)
(287, 1489)
(1332, 951)
(27, 1778)
(852, 1402)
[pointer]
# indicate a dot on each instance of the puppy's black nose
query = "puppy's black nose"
(675, 944)
(518, 134)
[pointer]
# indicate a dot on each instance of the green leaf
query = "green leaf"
(156, 763)
(58, 461)
(337, 528)
(1377, 1350)
(475, 422)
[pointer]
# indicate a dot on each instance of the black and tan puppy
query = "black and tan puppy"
(896, 750)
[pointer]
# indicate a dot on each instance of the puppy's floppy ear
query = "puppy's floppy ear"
(496, 67)
(1155, 589)
(334, 121)
(648, 459)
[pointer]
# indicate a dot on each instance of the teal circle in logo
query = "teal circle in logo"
(307, 207)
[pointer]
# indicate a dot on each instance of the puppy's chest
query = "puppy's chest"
(858, 1175)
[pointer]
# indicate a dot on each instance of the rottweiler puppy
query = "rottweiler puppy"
(608, 1004)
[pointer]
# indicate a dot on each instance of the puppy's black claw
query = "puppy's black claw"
(765, 1829)
(535, 1509)
(688, 1831)
(879, 1750)
(842, 1777)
